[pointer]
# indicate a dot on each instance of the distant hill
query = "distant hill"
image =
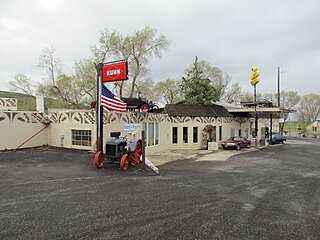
(28, 103)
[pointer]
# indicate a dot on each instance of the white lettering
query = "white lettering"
(113, 72)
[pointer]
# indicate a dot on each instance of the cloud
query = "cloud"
(232, 35)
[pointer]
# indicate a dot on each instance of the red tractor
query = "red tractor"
(118, 150)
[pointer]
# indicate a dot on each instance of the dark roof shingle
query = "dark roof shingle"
(196, 110)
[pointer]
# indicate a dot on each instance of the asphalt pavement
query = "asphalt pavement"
(270, 193)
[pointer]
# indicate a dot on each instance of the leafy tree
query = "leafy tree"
(80, 88)
(270, 97)
(70, 88)
(218, 79)
(22, 83)
(51, 63)
(248, 97)
(70, 91)
(138, 49)
(233, 95)
(85, 72)
(169, 90)
(146, 88)
(288, 100)
(309, 108)
(197, 88)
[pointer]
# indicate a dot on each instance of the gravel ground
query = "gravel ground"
(272, 193)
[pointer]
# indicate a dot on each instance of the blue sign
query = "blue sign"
(131, 127)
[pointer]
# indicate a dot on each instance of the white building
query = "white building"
(179, 126)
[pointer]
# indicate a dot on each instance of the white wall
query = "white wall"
(17, 127)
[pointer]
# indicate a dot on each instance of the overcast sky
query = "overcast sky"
(233, 35)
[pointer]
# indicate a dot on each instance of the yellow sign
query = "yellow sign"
(255, 81)
(254, 68)
(255, 75)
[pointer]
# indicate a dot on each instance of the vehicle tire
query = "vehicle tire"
(99, 159)
(155, 108)
(238, 147)
(135, 156)
(124, 163)
(144, 107)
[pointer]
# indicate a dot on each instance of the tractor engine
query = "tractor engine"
(115, 148)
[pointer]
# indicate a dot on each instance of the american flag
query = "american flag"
(110, 101)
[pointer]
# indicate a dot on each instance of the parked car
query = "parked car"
(277, 138)
(236, 143)
(140, 103)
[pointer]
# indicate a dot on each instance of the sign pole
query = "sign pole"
(254, 80)
(256, 116)
(107, 72)
(143, 150)
(99, 110)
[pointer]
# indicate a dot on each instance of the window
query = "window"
(233, 132)
(81, 137)
(156, 133)
(220, 133)
(115, 134)
(314, 129)
(152, 133)
(195, 134)
(185, 134)
(174, 135)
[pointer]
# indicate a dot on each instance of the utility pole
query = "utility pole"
(279, 87)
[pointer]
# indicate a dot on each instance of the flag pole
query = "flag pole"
(99, 117)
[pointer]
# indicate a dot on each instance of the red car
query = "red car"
(236, 143)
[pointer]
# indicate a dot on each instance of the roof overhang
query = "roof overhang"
(261, 112)
(251, 110)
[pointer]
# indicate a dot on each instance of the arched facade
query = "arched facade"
(209, 134)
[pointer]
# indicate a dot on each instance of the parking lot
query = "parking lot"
(271, 193)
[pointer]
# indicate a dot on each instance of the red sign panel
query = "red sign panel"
(115, 72)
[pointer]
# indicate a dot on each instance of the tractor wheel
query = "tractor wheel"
(135, 156)
(99, 159)
(124, 163)
(155, 108)
(144, 107)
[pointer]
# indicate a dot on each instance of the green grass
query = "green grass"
(25, 102)
(294, 126)
(28, 103)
